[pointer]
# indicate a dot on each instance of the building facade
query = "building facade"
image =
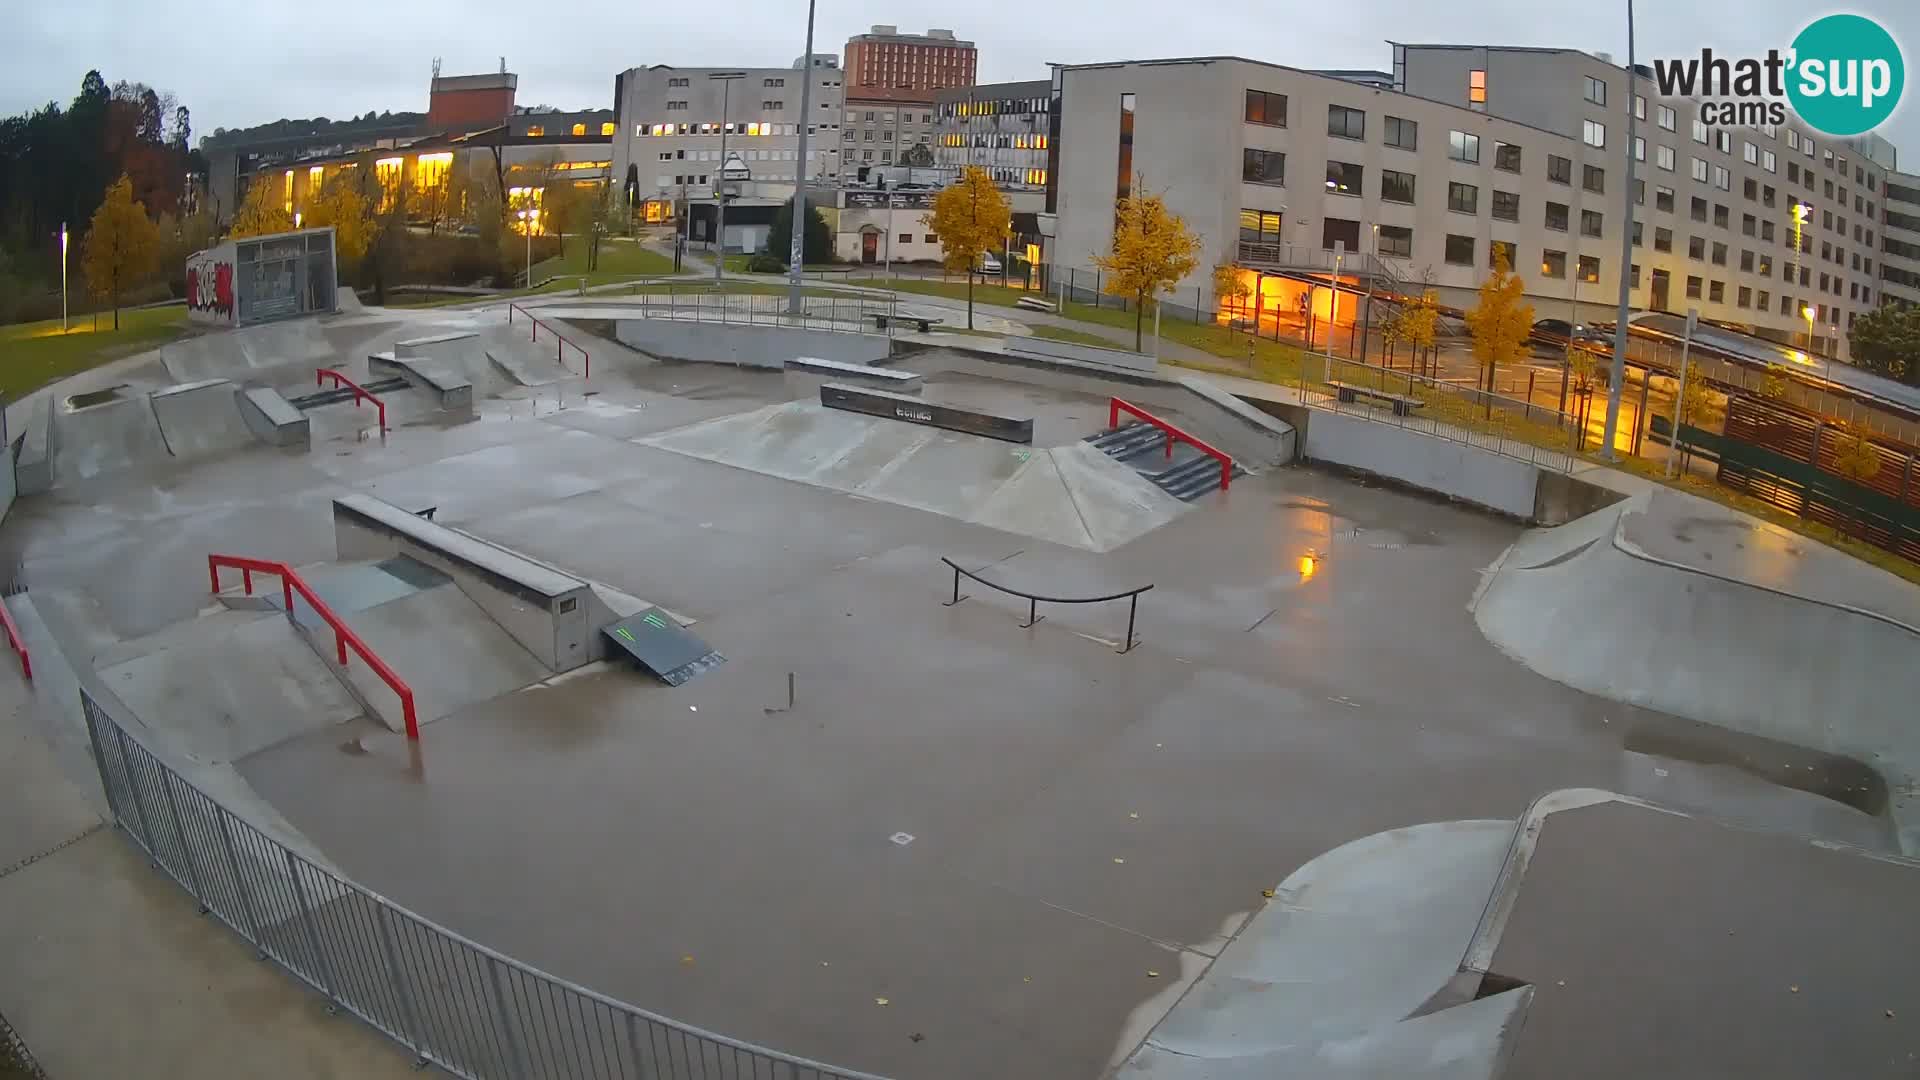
(886, 59)
(470, 102)
(882, 126)
(1900, 239)
(1000, 127)
(670, 123)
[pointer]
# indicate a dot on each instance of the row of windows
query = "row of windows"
(854, 116)
(996, 107)
(748, 128)
(537, 131)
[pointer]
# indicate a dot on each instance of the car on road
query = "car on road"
(988, 263)
(1557, 333)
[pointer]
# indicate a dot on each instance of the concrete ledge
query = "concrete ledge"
(1502, 484)
(1123, 359)
(747, 345)
(33, 466)
(1285, 442)
(434, 345)
(914, 411)
(443, 378)
(273, 418)
(890, 379)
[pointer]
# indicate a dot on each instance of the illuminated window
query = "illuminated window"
(606, 128)
(430, 171)
(316, 177)
(1477, 89)
(579, 129)
(289, 191)
(388, 171)
(536, 131)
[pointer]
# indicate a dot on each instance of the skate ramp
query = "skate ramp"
(523, 361)
(448, 650)
(202, 418)
(1071, 495)
(115, 434)
(1584, 605)
(1323, 980)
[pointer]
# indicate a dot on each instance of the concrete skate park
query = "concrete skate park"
(1370, 782)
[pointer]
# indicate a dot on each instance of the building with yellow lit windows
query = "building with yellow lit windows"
(1003, 128)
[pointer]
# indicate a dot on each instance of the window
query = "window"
(1722, 140)
(1263, 167)
(1590, 221)
(1463, 198)
(1768, 160)
(1747, 224)
(1498, 250)
(1256, 227)
(1664, 116)
(1593, 178)
(579, 129)
(1557, 216)
(1636, 234)
(1719, 215)
(1506, 206)
(607, 129)
(1663, 156)
(1553, 264)
(1477, 90)
(1750, 189)
(1639, 193)
(1344, 178)
(1589, 269)
(773, 82)
(1697, 208)
(1719, 254)
(1793, 173)
(535, 131)
(1762, 299)
(1404, 134)
(1265, 108)
(1793, 139)
(1749, 153)
(1396, 186)
(1463, 147)
(1699, 131)
(1697, 247)
(1633, 275)
(1346, 123)
(1662, 239)
(1396, 240)
(1663, 199)
(1744, 297)
(1506, 157)
(1593, 133)
(1699, 167)
(1639, 148)
(1766, 196)
(906, 238)
(1716, 292)
(1639, 107)
(1559, 169)
(932, 238)
(1459, 250)
(1693, 286)
(1596, 91)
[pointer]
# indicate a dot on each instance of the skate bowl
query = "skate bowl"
(1671, 603)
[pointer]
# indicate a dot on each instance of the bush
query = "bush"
(765, 262)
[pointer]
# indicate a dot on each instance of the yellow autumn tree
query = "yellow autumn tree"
(263, 211)
(1500, 322)
(1152, 251)
(342, 204)
(1230, 285)
(122, 245)
(971, 218)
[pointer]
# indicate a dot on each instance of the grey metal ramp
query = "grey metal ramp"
(658, 643)
(96, 439)
(202, 418)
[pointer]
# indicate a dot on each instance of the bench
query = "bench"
(1402, 404)
(1034, 303)
(926, 324)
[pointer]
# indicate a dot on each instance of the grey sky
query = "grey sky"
(242, 62)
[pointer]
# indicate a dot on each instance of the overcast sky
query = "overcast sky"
(236, 63)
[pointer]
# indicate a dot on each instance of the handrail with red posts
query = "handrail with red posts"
(1116, 406)
(343, 635)
(360, 393)
(16, 641)
(560, 349)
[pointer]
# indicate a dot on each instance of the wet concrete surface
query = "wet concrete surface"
(1309, 673)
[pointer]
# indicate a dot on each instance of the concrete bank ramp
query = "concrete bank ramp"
(202, 418)
(1072, 495)
(448, 650)
(1324, 980)
(523, 361)
(1754, 646)
(92, 439)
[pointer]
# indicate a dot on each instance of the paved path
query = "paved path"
(106, 969)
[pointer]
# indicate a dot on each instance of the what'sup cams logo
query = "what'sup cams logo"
(1843, 75)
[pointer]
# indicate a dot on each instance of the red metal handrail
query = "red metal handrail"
(559, 350)
(1115, 407)
(343, 635)
(360, 393)
(17, 641)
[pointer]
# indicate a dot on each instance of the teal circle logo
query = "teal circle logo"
(1846, 74)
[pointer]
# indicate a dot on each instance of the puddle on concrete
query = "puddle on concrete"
(1343, 531)
(1841, 779)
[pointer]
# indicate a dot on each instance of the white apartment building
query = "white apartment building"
(669, 125)
(881, 127)
(1524, 149)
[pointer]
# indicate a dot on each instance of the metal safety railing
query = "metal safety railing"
(343, 635)
(360, 393)
(1034, 600)
(451, 1001)
(1510, 427)
(1116, 406)
(16, 641)
(845, 313)
(562, 343)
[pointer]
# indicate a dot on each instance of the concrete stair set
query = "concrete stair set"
(1186, 475)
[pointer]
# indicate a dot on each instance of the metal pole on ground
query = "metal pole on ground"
(1680, 399)
(725, 78)
(796, 265)
(1619, 373)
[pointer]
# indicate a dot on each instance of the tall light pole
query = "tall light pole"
(725, 79)
(527, 218)
(1617, 378)
(796, 253)
(63, 277)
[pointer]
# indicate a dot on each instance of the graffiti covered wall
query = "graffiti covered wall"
(210, 296)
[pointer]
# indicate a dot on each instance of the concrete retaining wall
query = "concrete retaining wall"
(746, 346)
(33, 465)
(1086, 354)
(1560, 498)
(1456, 470)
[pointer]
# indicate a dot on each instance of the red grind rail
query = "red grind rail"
(343, 635)
(562, 344)
(1116, 406)
(360, 393)
(16, 641)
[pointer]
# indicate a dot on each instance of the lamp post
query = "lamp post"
(1617, 377)
(63, 277)
(527, 217)
(797, 251)
(725, 79)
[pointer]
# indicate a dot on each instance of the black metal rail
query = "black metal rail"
(1131, 596)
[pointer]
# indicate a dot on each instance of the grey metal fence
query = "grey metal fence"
(1441, 409)
(454, 1003)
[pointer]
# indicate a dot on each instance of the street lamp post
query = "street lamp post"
(527, 217)
(797, 250)
(63, 277)
(725, 79)
(1617, 377)
(1366, 313)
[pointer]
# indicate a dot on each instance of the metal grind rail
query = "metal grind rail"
(1116, 406)
(360, 393)
(343, 635)
(1131, 596)
(562, 344)
(16, 641)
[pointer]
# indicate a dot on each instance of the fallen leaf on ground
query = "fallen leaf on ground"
(881, 1001)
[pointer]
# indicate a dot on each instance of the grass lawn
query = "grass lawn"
(35, 354)
(618, 259)
(1077, 337)
(737, 264)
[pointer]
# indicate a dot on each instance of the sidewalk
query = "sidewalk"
(106, 969)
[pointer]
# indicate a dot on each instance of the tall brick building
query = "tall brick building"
(888, 59)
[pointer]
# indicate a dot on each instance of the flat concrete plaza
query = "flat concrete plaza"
(969, 848)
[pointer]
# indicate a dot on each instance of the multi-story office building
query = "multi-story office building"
(1001, 127)
(1900, 239)
(1523, 150)
(669, 126)
(886, 59)
(881, 126)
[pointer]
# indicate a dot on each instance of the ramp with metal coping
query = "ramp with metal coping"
(662, 646)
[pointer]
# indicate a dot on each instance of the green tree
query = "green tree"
(1500, 322)
(816, 246)
(1152, 250)
(1231, 287)
(971, 217)
(1886, 340)
(122, 245)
